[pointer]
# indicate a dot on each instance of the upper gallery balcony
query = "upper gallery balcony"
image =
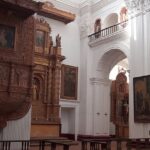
(110, 33)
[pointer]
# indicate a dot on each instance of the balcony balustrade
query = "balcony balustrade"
(107, 32)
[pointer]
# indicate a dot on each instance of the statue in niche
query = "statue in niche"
(18, 74)
(51, 41)
(2, 75)
(97, 27)
(123, 14)
(58, 40)
(36, 89)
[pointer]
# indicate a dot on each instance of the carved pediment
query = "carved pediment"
(26, 8)
(47, 9)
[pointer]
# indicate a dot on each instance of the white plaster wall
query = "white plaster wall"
(140, 54)
(69, 115)
(68, 120)
(94, 97)
(85, 89)
(18, 129)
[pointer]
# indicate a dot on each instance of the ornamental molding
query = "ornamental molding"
(65, 5)
(84, 26)
(101, 4)
(90, 6)
(137, 6)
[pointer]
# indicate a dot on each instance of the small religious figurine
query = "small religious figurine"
(58, 40)
(51, 41)
(35, 90)
(97, 27)
(123, 14)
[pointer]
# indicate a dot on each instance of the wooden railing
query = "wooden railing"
(36, 144)
(108, 31)
(121, 143)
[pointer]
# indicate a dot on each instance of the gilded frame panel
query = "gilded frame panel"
(7, 37)
(141, 87)
(69, 82)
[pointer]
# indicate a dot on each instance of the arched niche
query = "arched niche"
(38, 88)
(97, 25)
(110, 20)
(105, 66)
(102, 92)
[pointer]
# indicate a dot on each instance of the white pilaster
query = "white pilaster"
(140, 54)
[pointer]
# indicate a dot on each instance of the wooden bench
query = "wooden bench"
(139, 144)
(95, 144)
(65, 143)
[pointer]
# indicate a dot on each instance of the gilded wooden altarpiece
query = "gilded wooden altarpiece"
(16, 63)
(30, 65)
(46, 78)
(120, 104)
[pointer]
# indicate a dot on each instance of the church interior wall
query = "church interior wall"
(18, 129)
(92, 118)
(89, 62)
(140, 49)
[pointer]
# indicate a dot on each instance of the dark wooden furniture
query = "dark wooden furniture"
(16, 61)
(46, 83)
(37, 144)
(27, 8)
(120, 105)
(30, 65)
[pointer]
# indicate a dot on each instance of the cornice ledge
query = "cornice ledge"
(98, 81)
(65, 5)
(100, 4)
(69, 3)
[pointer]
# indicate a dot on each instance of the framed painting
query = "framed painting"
(40, 38)
(141, 87)
(69, 82)
(7, 37)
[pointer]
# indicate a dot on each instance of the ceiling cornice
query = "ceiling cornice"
(100, 4)
(64, 5)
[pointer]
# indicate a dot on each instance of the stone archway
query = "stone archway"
(109, 60)
(101, 86)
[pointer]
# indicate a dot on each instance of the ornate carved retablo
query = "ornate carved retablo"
(16, 54)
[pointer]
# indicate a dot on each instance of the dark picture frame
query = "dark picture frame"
(69, 82)
(40, 38)
(7, 37)
(141, 86)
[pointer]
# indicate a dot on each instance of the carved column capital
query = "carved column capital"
(134, 6)
(84, 29)
(137, 6)
(85, 25)
(147, 5)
